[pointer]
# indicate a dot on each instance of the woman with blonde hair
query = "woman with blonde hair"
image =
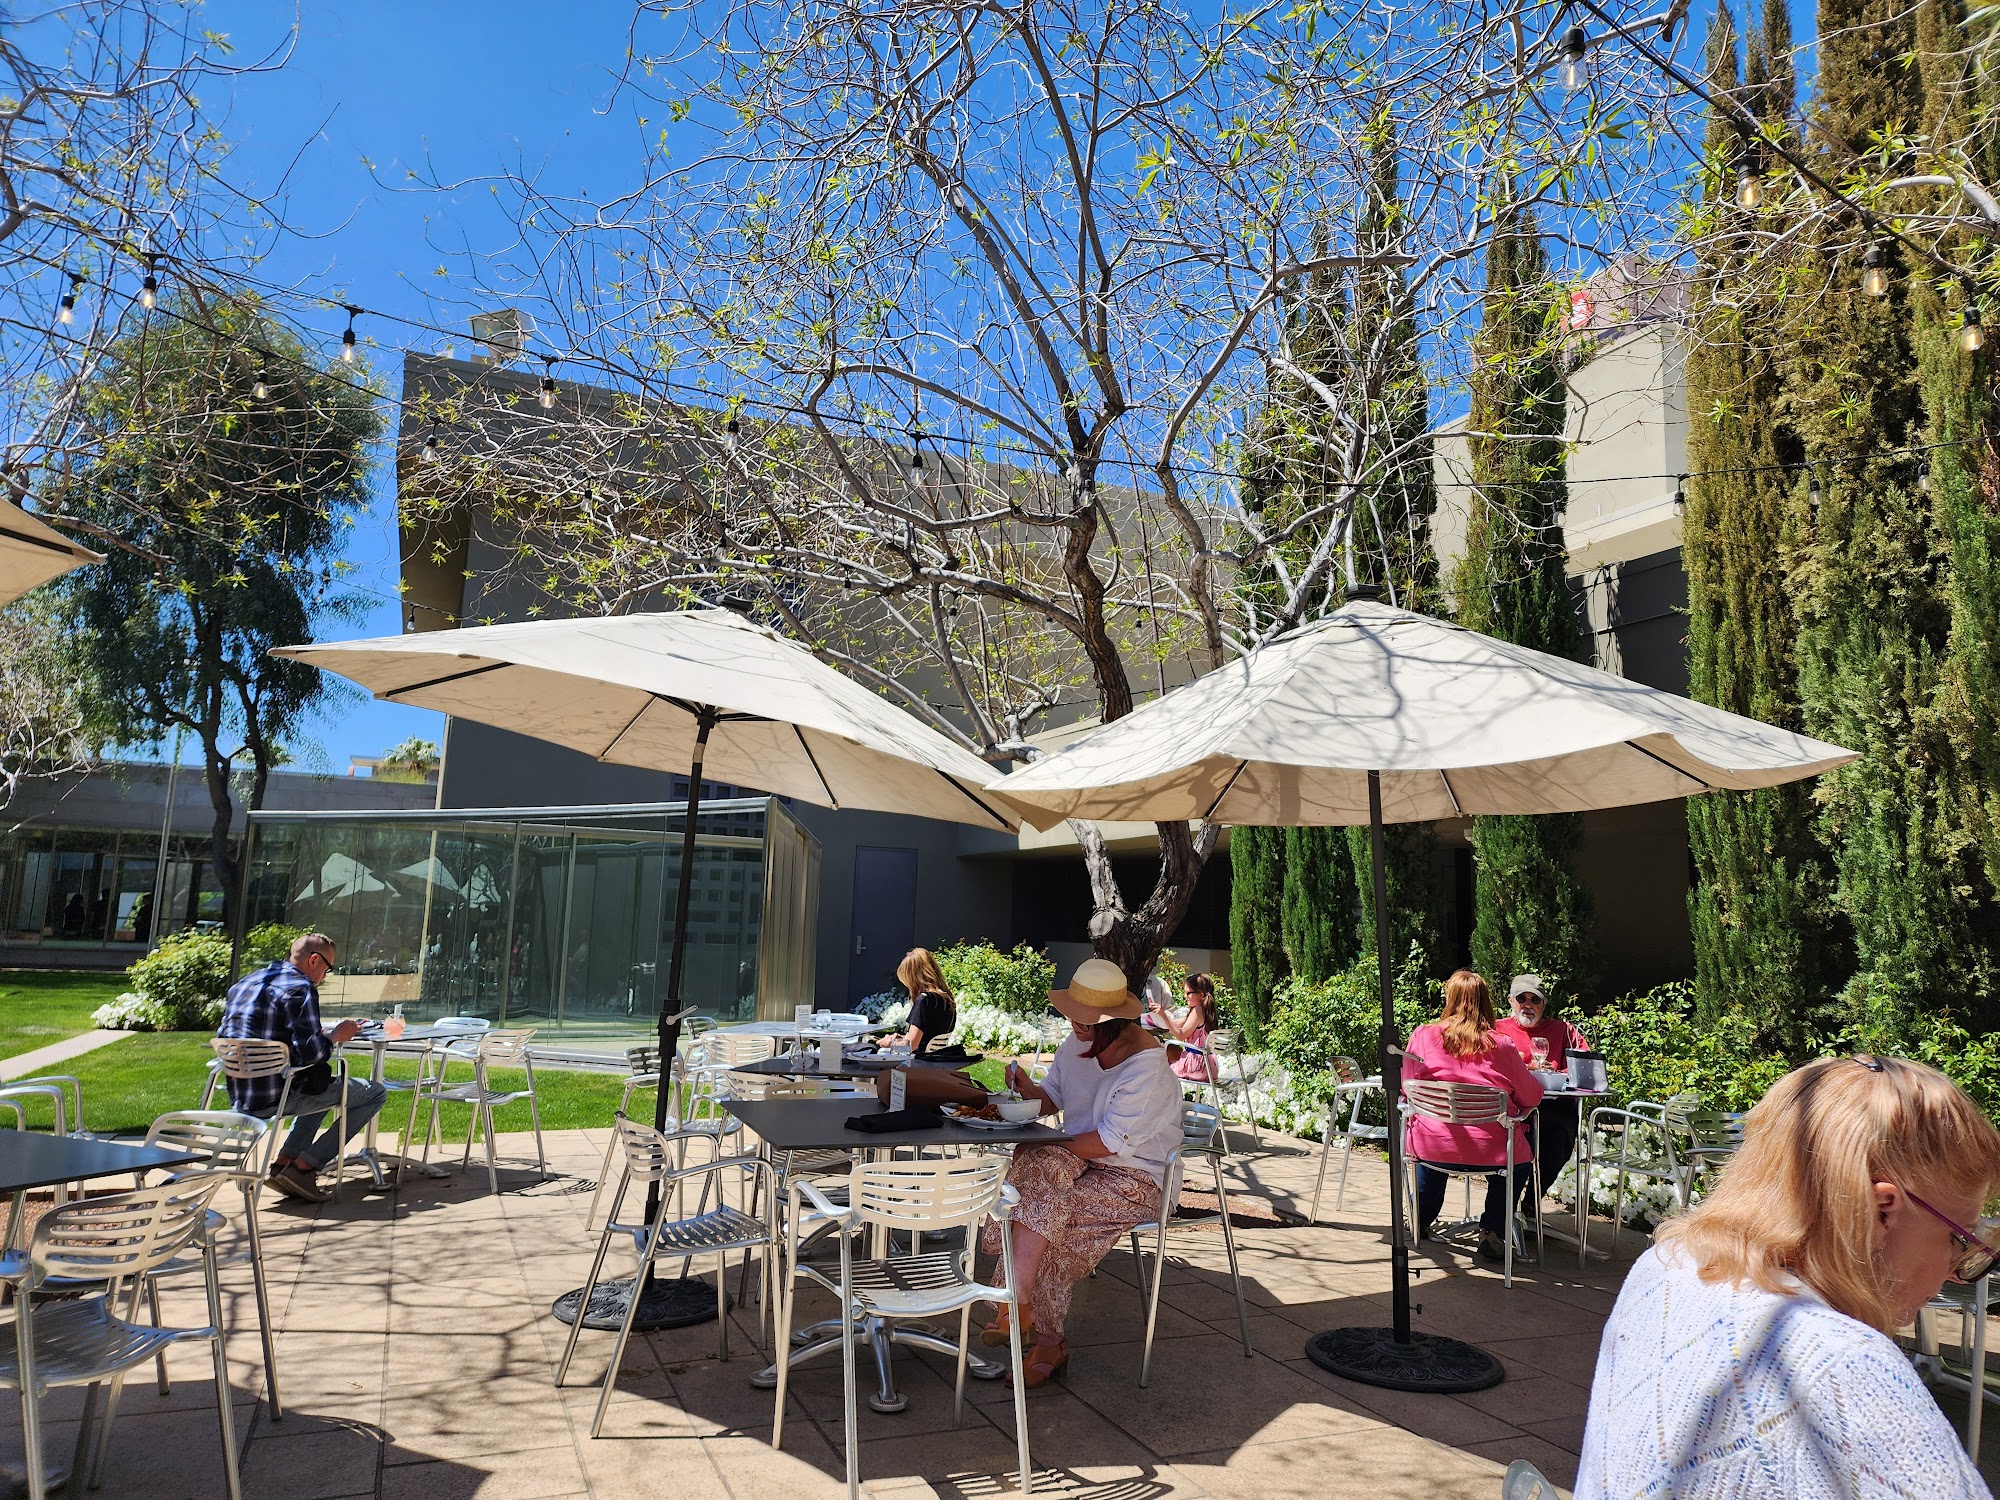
(1464, 1046)
(933, 1011)
(1749, 1354)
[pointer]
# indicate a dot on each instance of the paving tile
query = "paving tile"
(1386, 1464)
(317, 1465)
(1557, 1464)
(535, 1474)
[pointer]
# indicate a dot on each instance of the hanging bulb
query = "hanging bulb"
(1749, 187)
(429, 452)
(916, 467)
(1575, 47)
(547, 395)
(66, 313)
(149, 289)
(261, 386)
(1923, 476)
(1813, 491)
(347, 338)
(1874, 271)
(410, 620)
(1971, 337)
(1680, 492)
(732, 434)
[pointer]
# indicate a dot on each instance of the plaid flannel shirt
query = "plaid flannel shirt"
(275, 1004)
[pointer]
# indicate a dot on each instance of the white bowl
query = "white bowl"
(1018, 1111)
(1549, 1080)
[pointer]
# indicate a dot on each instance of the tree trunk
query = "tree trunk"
(1134, 939)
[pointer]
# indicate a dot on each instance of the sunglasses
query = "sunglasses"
(1975, 1256)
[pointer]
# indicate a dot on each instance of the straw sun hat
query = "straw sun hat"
(1097, 992)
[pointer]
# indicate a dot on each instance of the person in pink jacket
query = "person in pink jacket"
(1464, 1046)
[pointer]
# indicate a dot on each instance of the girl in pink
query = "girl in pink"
(1463, 1046)
(1192, 1061)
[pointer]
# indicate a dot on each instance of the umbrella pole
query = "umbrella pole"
(1396, 1357)
(680, 1302)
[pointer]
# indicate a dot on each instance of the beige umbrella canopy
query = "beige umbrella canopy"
(631, 689)
(1454, 723)
(32, 552)
(1376, 715)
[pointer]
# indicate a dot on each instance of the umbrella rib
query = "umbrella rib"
(66, 549)
(974, 799)
(1707, 786)
(1445, 776)
(813, 761)
(1241, 767)
(651, 699)
(417, 687)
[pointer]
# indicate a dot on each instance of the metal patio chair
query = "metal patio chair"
(507, 1049)
(244, 1058)
(115, 1242)
(1641, 1127)
(721, 1231)
(920, 1197)
(1350, 1090)
(1473, 1104)
(1225, 1048)
(1201, 1124)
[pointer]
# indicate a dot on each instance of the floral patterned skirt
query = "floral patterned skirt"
(1082, 1208)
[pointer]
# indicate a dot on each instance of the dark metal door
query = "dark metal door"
(885, 919)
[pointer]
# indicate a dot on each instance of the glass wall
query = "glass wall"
(92, 886)
(557, 918)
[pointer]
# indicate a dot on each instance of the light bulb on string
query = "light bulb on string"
(429, 452)
(261, 386)
(1971, 337)
(410, 620)
(547, 395)
(1923, 475)
(1874, 271)
(66, 310)
(347, 338)
(1749, 187)
(732, 433)
(149, 289)
(1813, 494)
(1576, 46)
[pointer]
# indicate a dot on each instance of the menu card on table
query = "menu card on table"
(899, 1088)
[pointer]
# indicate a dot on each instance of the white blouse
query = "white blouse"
(1135, 1106)
(1706, 1391)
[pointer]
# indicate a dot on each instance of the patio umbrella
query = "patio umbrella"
(1376, 715)
(32, 552)
(705, 692)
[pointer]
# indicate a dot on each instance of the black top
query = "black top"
(935, 1016)
(821, 1124)
(31, 1160)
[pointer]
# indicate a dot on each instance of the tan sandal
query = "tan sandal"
(1041, 1364)
(994, 1334)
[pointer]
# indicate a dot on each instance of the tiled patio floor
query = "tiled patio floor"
(417, 1354)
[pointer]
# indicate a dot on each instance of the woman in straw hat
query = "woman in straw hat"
(1752, 1352)
(1078, 1199)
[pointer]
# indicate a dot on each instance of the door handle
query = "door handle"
(857, 942)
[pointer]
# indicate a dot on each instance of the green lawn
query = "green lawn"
(38, 1007)
(129, 1083)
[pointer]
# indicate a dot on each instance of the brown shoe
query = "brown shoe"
(296, 1181)
(994, 1334)
(1041, 1363)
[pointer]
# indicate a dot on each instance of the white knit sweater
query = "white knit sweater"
(1711, 1392)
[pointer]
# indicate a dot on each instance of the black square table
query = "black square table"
(821, 1125)
(31, 1160)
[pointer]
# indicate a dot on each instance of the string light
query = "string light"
(347, 338)
(410, 620)
(1813, 491)
(1874, 271)
(429, 452)
(547, 394)
(732, 433)
(261, 386)
(1576, 47)
(1750, 180)
(1680, 492)
(1971, 337)
(149, 289)
(66, 311)
(1923, 476)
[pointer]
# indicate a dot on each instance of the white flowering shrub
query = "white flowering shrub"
(988, 1028)
(1648, 1202)
(131, 1012)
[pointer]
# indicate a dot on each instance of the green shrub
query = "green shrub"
(1016, 982)
(184, 980)
(267, 943)
(1653, 1049)
(1312, 1024)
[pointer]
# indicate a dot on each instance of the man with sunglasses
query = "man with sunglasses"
(280, 1002)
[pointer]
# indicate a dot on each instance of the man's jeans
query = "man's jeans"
(364, 1102)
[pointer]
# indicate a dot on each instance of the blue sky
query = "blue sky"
(472, 89)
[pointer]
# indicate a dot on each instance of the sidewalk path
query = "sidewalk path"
(27, 1064)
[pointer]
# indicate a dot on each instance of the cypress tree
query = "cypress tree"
(1530, 912)
(1768, 941)
(1320, 934)
(1256, 937)
(1887, 637)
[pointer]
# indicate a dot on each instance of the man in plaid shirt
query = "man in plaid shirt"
(280, 1002)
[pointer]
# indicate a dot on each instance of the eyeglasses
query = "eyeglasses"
(1976, 1257)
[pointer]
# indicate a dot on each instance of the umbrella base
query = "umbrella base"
(664, 1304)
(1426, 1363)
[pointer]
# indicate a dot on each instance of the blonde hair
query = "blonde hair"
(1467, 1022)
(920, 975)
(1799, 1197)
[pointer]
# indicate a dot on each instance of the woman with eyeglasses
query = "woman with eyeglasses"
(1750, 1352)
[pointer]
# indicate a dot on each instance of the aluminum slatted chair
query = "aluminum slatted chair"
(1971, 1305)
(1642, 1127)
(116, 1242)
(1201, 1124)
(921, 1197)
(645, 1075)
(459, 1034)
(506, 1049)
(1703, 1139)
(244, 1058)
(721, 1231)
(1225, 1047)
(1350, 1090)
(1473, 1104)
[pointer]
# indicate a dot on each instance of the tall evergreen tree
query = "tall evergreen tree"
(1321, 936)
(1874, 572)
(1530, 912)
(1256, 923)
(1768, 941)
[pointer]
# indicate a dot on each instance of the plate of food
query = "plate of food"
(983, 1117)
